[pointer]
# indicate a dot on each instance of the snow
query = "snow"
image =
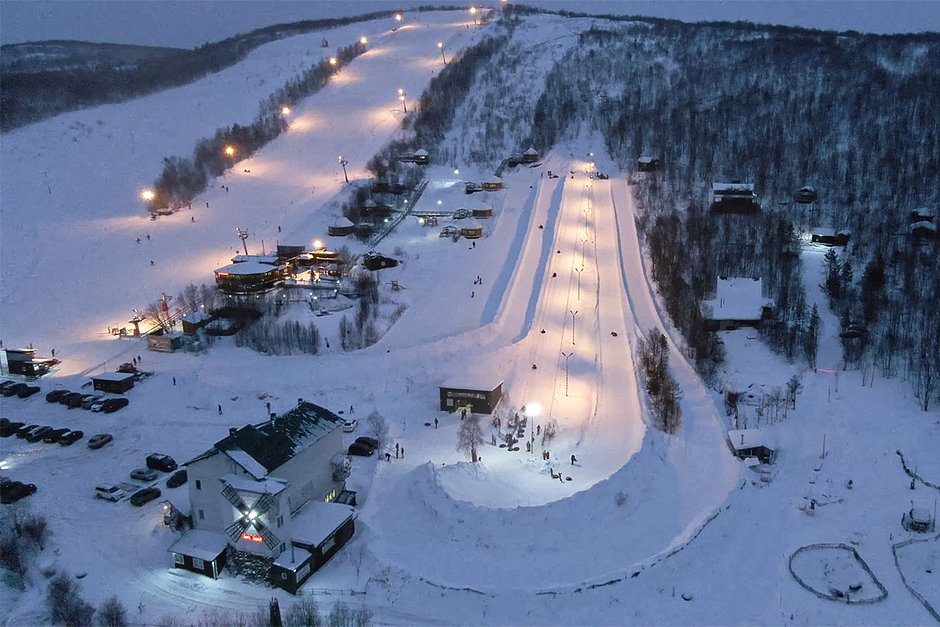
(268, 485)
(737, 299)
(747, 438)
(645, 519)
(199, 543)
(247, 268)
(317, 520)
(114, 376)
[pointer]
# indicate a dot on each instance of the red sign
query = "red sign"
(252, 537)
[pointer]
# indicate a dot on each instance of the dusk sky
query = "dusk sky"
(189, 23)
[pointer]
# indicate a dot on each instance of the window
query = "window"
(280, 520)
(202, 515)
(178, 559)
(283, 547)
(284, 576)
(198, 563)
(328, 544)
(198, 484)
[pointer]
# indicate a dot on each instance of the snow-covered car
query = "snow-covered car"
(350, 425)
(109, 492)
(97, 441)
(144, 474)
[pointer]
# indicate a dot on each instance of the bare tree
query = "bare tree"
(470, 436)
(378, 426)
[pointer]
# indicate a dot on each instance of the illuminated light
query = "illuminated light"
(317, 244)
(333, 61)
(230, 150)
(148, 195)
(363, 40)
(398, 17)
(251, 537)
(456, 171)
(533, 409)
(252, 515)
(285, 110)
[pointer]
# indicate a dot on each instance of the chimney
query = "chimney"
(273, 416)
(299, 401)
(232, 431)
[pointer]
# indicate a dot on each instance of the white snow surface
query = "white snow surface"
(646, 521)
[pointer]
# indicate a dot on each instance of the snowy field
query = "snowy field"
(650, 528)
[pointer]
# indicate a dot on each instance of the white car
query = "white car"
(109, 492)
(350, 425)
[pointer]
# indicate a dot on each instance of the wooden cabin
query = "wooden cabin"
(734, 198)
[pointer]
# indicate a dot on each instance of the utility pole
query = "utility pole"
(573, 314)
(243, 235)
(579, 271)
(343, 163)
(566, 356)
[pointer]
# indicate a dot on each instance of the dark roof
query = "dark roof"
(274, 442)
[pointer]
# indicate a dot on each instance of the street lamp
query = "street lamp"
(333, 61)
(343, 163)
(148, 195)
(229, 150)
(579, 271)
(567, 356)
(243, 235)
(363, 40)
(573, 314)
(398, 17)
(401, 96)
(285, 110)
(440, 45)
(473, 12)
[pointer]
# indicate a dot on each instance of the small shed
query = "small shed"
(738, 302)
(341, 228)
(806, 195)
(734, 198)
(484, 212)
(922, 214)
(828, 236)
(194, 320)
(492, 186)
(530, 156)
(164, 342)
(481, 394)
(200, 551)
(375, 261)
(751, 443)
(646, 163)
(473, 231)
(113, 382)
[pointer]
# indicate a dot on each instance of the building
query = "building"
(734, 198)
(164, 342)
(474, 231)
(806, 195)
(248, 277)
(419, 156)
(751, 443)
(647, 164)
(263, 499)
(828, 236)
(341, 228)
(24, 361)
(739, 302)
(374, 261)
(481, 395)
(194, 320)
(530, 156)
(113, 382)
(492, 186)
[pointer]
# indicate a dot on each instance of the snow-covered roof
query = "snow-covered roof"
(421, 152)
(196, 316)
(733, 187)
(261, 448)
(113, 376)
(343, 221)
(246, 267)
(646, 159)
(300, 555)
(473, 382)
(924, 224)
(737, 299)
(244, 483)
(317, 520)
(747, 438)
(268, 259)
(826, 231)
(531, 151)
(199, 543)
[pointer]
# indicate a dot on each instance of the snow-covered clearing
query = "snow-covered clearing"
(650, 528)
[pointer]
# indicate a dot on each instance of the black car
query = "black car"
(6, 384)
(9, 428)
(70, 398)
(38, 433)
(361, 449)
(27, 391)
(71, 437)
(14, 389)
(144, 496)
(99, 440)
(12, 491)
(370, 442)
(159, 461)
(53, 436)
(55, 395)
(113, 404)
(23, 431)
(177, 479)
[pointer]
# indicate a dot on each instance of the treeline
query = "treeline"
(183, 179)
(661, 386)
(852, 115)
(27, 97)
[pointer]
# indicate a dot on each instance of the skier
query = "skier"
(220, 410)
(396, 450)
(435, 423)
(573, 459)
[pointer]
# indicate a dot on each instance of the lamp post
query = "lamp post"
(573, 314)
(229, 150)
(343, 163)
(583, 241)
(363, 40)
(473, 12)
(333, 61)
(243, 235)
(440, 45)
(579, 271)
(567, 356)
(401, 96)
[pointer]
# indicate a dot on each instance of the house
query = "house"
(492, 186)
(530, 156)
(484, 212)
(341, 228)
(828, 236)
(419, 156)
(194, 320)
(24, 361)
(923, 230)
(474, 231)
(734, 198)
(806, 195)
(376, 209)
(470, 188)
(374, 261)
(647, 164)
(739, 302)
(480, 394)
(113, 382)
(263, 499)
(747, 443)
(164, 342)
(248, 277)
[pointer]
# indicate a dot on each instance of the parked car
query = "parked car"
(13, 389)
(23, 431)
(71, 437)
(27, 391)
(113, 404)
(159, 461)
(144, 474)
(361, 449)
(53, 436)
(144, 496)
(350, 425)
(69, 399)
(98, 405)
(97, 441)
(109, 492)
(88, 399)
(12, 491)
(6, 383)
(9, 428)
(55, 395)
(38, 433)
(127, 367)
(370, 442)
(177, 479)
